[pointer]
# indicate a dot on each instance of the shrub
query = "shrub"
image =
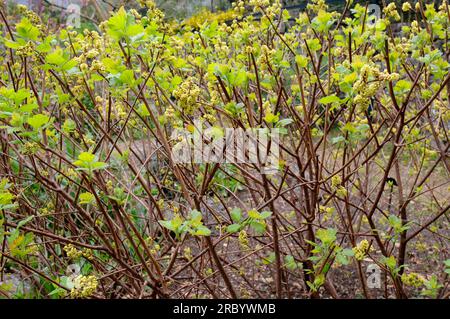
(89, 182)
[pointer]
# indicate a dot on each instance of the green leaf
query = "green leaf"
(24, 222)
(87, 198)
(301, 60)
(327, 236)
(314, 44)
(56, 57)
(271, 118)
(390, 262)
(26, 30)
(167, 224)
(122, 25)
(236, 214)
(270, 258)
(338, 139)
(86, 157)
(98, 165)
(290, 262)
(88, 161)
(12, 44)
(38, 120)
(323, 21)
(253, 213)
(265, 214)
(233, 228)
(284, 122)
(329, 99)
(127, 77)
(202, 231)
(258, 227)
(28, 108)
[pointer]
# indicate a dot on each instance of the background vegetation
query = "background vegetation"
(93, 206)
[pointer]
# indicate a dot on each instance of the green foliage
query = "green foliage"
(254, 220)
(192, 225)
(89, 123)
(122, 25)
(89, 162)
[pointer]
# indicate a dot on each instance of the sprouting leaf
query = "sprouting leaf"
(56, 57)
(271, 118)
(258, 226)
(69, 126)
(236, 214)
(38, 120)
(447, 266)
(202, 231)
(265, 214)
(338, 139)
(87, 198)
(301, 60)
(329, 99)
(24, 221)
(314, 44)
(327, 236)
(290, 263)
(27, 30)
(89, 162)
(323, 21)
(233, 228)
(284, 122)
(254, 214)
(123, 25)
(402, 86)
(270, 258)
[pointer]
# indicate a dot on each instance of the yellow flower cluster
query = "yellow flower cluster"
(364, 89)
(31, 16)
(336, 181)
(274, 10)
(187, 253)
(239, 7)
(30, 148)
(221, 48)
(413, 279)
(150, 4)
(389, 76)
(243, 239)
(327, 211)
(259, 3)
(391, 11)
(265, 57)
(443, 6)
(361, 249)
(336, 185)
(187, 94)
(71, 173)
(84, 286)
(73, 253)
(136, 14)
(317, 5)
(88, 254)
(26, 50)
(153, 13)
(406, 7)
